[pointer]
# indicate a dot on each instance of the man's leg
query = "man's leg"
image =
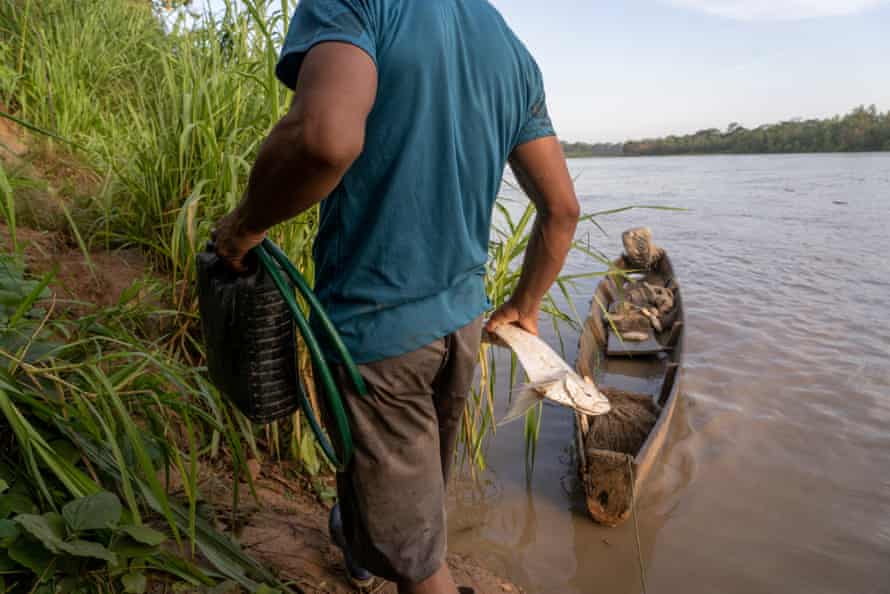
(392, 495)
(440, 582)
(452, 388)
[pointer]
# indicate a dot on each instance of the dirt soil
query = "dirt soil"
(48, 177)
(83, 284)
(12, 138)
(54, 178)
(287, 531)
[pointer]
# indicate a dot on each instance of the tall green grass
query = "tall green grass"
(90, 404)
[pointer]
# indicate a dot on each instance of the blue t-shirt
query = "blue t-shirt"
(403, 241)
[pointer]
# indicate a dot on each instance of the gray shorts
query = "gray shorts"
(392, 496)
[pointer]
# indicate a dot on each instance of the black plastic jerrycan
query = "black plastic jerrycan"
(249, 336)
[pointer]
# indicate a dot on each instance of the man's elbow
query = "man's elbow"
(335, 153)
(565, 213)
(329, 143)
(572, 211)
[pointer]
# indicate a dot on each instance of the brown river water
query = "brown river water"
(776, 475)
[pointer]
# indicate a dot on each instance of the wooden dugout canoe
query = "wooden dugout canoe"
(653, 368)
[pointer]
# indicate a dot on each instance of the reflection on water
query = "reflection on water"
(775, 477)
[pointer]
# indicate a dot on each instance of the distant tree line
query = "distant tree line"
(583, 149)
(863, 129)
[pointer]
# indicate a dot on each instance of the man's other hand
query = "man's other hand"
(233, 242)
(541, 171)
(511, 313)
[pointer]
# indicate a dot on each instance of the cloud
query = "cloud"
(778, 10)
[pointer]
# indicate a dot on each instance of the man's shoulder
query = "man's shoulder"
(493, 18)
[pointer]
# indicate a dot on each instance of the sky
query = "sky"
(622, 69)
(627, 69)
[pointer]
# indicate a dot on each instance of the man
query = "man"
(404, 115)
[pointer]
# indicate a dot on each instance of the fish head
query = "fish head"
(585, 398)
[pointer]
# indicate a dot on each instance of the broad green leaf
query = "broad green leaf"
(29, 553)
(8, 533)
(134, 582)
(95, 512)
(49, 528)
(88, 548)
(127, 548)
(13, 503)
(188, 572)
(3, 486)
(38, 291)
(217, 548)
(71, 584)
(144, 535)
(66, 450)
(6, 565)
(7, 474)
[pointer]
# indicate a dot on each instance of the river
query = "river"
(776, 476)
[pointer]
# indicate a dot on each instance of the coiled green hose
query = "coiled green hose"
(280, 269)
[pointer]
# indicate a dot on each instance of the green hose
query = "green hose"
(280, 269)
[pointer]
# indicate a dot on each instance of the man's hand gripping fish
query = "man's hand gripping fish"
(549, 377)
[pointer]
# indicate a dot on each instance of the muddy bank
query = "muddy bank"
(84, 283)
(285, 528)
(48, 180)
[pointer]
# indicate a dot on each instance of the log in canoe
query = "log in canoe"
(647, 368)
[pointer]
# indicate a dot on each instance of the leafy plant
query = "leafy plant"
(91, 533)
(58, 399)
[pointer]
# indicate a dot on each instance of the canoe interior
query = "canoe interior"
(652, 368)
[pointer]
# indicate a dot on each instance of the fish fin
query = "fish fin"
(541, 386)
(526, 396)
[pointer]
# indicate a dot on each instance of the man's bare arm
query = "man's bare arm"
(307, 153)
(540, 168)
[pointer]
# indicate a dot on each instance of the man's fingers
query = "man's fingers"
(235, 264)
(530, 326)
(499, 318)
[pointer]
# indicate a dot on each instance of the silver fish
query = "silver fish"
(549, 377)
